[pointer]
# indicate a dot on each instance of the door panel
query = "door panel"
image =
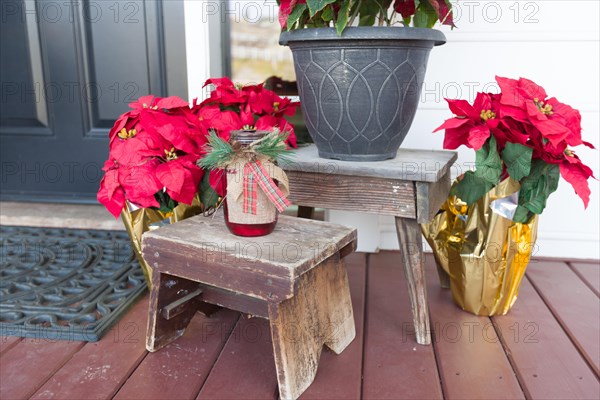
(68, 70)
(21, 73)
(128, 61)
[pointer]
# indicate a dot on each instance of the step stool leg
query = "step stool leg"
(319, 313)
(411, 248)
(173, 303)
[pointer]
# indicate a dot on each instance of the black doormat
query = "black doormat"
(65, 284)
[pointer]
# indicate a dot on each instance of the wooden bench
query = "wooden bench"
(410, 187)
(294, 277)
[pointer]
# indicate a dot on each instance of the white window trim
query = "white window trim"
(205, 47)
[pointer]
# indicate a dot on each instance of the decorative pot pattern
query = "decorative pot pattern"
(360, 92)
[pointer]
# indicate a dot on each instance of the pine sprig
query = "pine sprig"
(218, 153)
(273, 146)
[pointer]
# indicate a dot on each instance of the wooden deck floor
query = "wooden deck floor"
(547, 347)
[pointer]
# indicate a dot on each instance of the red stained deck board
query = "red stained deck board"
(395, 366)
(30, 363)
(7, 342)
(340, 375)
(590, 273)
(99, 369)
(471, 359)
(573, 303)
(179, 370)
(546, 361)
(246, 368)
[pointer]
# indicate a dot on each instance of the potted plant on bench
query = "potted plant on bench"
(360, 85)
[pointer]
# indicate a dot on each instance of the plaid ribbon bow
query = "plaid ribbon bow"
(255, 175)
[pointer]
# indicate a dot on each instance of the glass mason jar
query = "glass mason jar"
(232, 212)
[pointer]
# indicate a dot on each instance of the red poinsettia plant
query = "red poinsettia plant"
(299, 14)
(522, 134)
(154, 148)
(233, 107)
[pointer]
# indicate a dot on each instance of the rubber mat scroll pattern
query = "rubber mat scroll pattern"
(65, 284)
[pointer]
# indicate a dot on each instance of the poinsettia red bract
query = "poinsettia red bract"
(154, 147)
(522, 114)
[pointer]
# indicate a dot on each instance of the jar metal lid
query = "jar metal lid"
(246, 136)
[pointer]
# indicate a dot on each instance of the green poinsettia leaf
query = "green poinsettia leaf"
(517, 159)
(366, 20)
(425, 15)
(488, 164)
(432, 19)
(208, 196)
(167, 204)
(471, 188)
(314, 6)
(328, 14)
(368, 12)
(295, 15)
(419, 19)
(488, 169)
(522, 215)
(541, 183)
(343, 16)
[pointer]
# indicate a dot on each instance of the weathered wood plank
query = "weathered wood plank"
(546, 361)
(31, 363)
(430, 196)
(573, 303)
(167, 289)
(235, 276)
(7, 342)
(319, 314)
(395, 366)
(245, 368)
(340, 375)
(339, 192)
(179, 370)
(589, 272)
(265, 267)
(409, 165)
(471, 360)
(248, 357)
(411, 245)
(234, 301)
(99, 369)
(177, 307)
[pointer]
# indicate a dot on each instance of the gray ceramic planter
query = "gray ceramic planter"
(360, 92)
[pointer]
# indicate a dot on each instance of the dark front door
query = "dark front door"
(68, 69)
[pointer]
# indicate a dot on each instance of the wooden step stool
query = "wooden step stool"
(294, 277)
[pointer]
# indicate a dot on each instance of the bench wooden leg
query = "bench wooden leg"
(173, 303)
(411, 247)
(320, 313)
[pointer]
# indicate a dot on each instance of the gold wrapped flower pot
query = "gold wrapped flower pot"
(522, 139)
(484, 253)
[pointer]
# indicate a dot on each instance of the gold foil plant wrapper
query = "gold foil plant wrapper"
(484, 253)
(139, 220)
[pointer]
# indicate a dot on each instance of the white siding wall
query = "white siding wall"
(554, 43)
